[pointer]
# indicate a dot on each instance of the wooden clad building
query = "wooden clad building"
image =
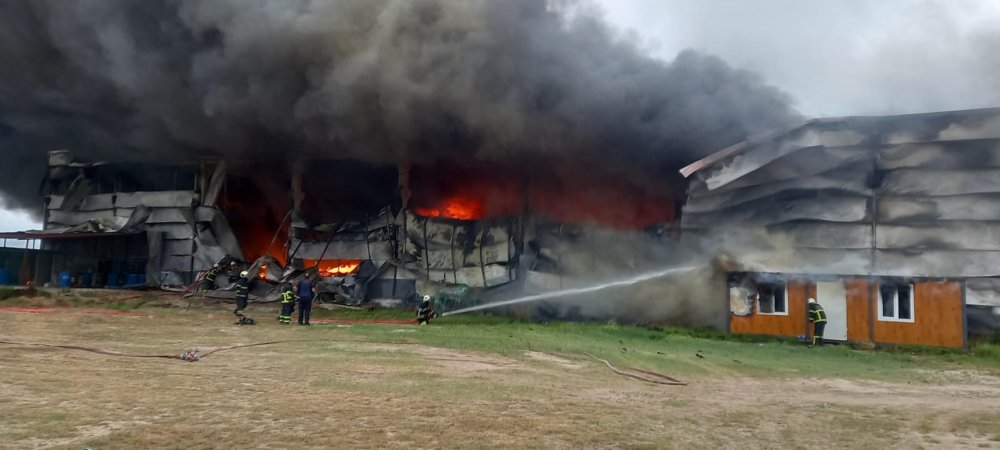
(892, 223)
(922, 312)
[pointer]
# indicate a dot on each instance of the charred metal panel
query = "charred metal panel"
(177, 247)
(768, 212)
(937, 263)
(464, 252)
(984, 207)
(162, 199)
(799, 164)
(955, 155)
(379, 250)
(943, 126)
(941, 236)
(852, 179)
(825, 235)
(941, 182)
(742, 164)
(983, 292)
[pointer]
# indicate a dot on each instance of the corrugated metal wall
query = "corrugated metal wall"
(906, 196)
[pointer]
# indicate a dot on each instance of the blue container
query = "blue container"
(135, 279)
(85, 280)
(113, 280)
(65, 279)
(5, 277)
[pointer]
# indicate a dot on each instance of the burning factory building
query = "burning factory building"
(477, 151)
(371, 232)
(887, 221)
(392, 147)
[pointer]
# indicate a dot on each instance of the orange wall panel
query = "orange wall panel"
(937, 317)
(794, 324)
(858, 310)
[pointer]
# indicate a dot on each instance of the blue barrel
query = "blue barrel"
(134, 279)
(85, 280)
(65, 279)
(4, 277)
(113, 280)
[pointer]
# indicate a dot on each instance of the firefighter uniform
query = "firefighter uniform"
(287, 304)
(425, 312)
(818, 318)
(242, 294)
(208, 283)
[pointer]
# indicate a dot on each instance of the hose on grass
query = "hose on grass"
(659, 378)
(186, 356)
(195, 355)
(100, 351)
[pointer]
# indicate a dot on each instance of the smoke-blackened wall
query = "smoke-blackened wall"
(380, 80)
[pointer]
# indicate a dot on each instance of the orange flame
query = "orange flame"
(262, 271)
(336, 267)
(455, 207)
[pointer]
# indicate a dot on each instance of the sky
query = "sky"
(834, 57)
(838, 57)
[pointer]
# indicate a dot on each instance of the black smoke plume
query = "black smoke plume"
(381, 80)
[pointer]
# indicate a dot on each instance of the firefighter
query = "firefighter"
(306, 292)
(242, 297)
(234, 272)
(208, 283)
(425, 312)
(287, 303)
(818, 317)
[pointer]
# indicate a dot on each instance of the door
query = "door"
(833, 298)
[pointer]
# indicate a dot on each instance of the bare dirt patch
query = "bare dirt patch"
(463, 363)
(554, 359)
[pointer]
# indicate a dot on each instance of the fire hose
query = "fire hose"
(190, 354)
(657, 378)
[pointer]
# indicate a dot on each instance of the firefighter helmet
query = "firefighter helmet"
(427, 298)
(812, 300)
(244, 274)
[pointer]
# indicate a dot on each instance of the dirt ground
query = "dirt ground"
(330, 389)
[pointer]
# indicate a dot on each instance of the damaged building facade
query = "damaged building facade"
(370, 231)
(892, 223)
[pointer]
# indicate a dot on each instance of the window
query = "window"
(895, 302)
(771, 299)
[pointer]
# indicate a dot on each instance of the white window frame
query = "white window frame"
(782, 313)
(895, 317)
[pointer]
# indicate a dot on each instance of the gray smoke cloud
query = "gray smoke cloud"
(382, 80)
(845, 57)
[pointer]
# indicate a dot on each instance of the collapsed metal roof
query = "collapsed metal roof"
(909, 196)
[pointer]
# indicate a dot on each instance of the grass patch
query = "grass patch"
(12, 296)
(7, 293)
(675, 351)
(986, 425)
(362, 314)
